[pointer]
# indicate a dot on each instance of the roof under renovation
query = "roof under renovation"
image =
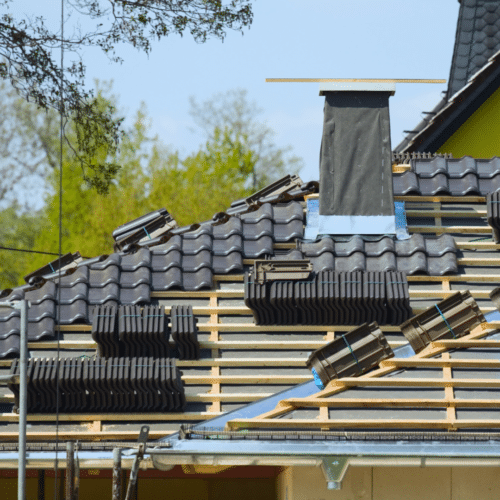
(237, 374)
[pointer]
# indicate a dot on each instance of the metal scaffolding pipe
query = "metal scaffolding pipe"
(23, 399)
(70, 470)
(117, 473)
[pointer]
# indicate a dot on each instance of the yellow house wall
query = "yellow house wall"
(392, 483)
(479, 136)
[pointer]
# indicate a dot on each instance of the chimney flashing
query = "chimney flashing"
(357, 87)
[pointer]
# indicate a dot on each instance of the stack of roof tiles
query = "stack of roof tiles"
(95, 384)
(352, 354)
(449, 176)
(453, 317)
(330, 298)
(131, 331)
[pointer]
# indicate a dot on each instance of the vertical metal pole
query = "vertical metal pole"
(76, 493)
(23, 402)
(41, 485)
(70, 470)
(117, 473)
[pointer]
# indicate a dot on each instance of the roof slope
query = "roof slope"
(477, 39)
(242, 362)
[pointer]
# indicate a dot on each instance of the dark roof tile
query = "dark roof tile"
(112, 260)
(99, 279)
(193, 245)
(39, 330)
(46, 292)
(76, 311)
(11, 326)
(228, 263)
(100, 295)
(289, 231)
(265, 211)
(133, 296)
(165, 280)
(252, 249)
(255, 231)
(45, 309)
(133, 261)
(226, 246)
(9, 346)
(69, 295)
(192, 263)
(131, 279)
(163, 262)
(80, 275)
(197, 280)
(174, 243)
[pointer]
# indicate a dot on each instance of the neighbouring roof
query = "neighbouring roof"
(477, 39)
(451, 113)
(474, 76)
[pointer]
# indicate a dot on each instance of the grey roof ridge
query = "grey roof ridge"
(444, 105)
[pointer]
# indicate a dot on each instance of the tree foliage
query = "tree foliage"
(192, 188)
(29, 60)
(232, 112)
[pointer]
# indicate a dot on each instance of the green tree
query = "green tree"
(232, 112)
(30, 59)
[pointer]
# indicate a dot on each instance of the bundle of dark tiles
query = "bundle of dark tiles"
(142, 332)
(330, 298)
(493, 211)
(135, 331)
(104, 331)
(75, 385)
(184, 332)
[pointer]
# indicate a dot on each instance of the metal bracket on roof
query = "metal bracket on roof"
(334, 469)
(272, 270)
(52, 267)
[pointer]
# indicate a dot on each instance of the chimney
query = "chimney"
(355, 194)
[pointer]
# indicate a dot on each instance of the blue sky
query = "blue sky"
(288, 38)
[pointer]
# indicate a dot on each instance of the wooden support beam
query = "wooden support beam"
(115, 417)
(383, 423)
(484, 383)
(326, 80)
(450, 229)
(401, 168)
(215, 370)
(437, 212)
(449, 393)
(464, 343)
(245, 379)
(442, 363)
(479, 262)
(84, 435)
(442, 199)
(395, 402)
(477, 245)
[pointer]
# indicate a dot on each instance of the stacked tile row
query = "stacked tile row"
(449, 177)
(419, 254)
(110, 385)
(131, 331)
(330, 298)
